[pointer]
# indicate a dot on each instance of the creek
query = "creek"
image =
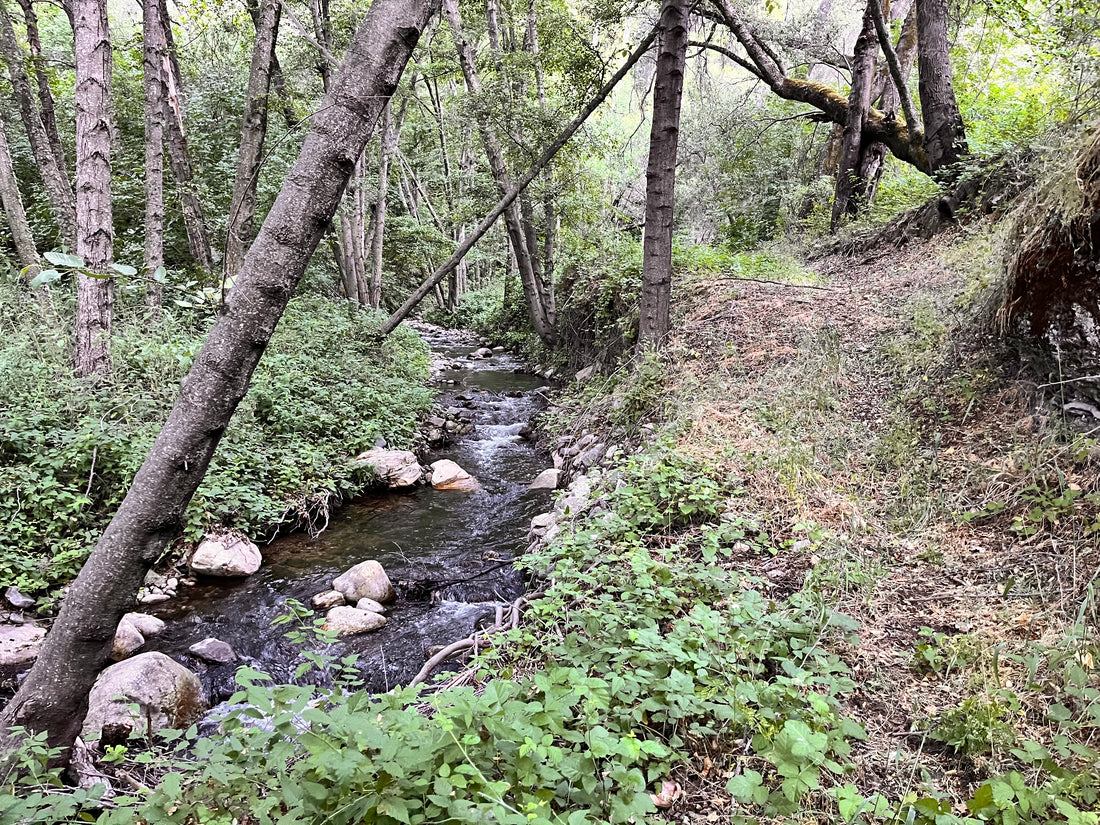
(448, 553)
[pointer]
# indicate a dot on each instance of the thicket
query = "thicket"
(69, 447)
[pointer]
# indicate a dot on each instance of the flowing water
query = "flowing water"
(448, 553)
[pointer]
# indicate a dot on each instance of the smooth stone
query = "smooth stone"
(128, 640)
(19, 643)
(153, 598)
(397, 468)
(366, 580)
(212, 650)
(586, 373)
(226, 557)
(348, 621)
(546, 480)
(370, 605)
(18, 599)
(446, 475)
(484, 352)
(148, 626)
(498, 350)
(167, 695)
(330, 598)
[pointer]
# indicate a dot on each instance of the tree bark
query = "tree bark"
(531, 288)
(389, 134)
(154, 59)
(850, 186)
(242, 207)
(664, 138)
(944, 134)
(510, 197)
(94, 233)
(53, 697)
(179, 158)
(13, 206)
(42, 79)
(54, 177)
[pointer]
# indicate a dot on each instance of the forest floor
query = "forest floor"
(912, 468)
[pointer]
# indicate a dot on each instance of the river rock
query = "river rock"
(586, 373)
(167, 694)
(148, 626)
(498, 350)
(330, 598)
(484, 352)
(19, 644)
(546, 480)
(397, 468)
(366, 580)
(370, 605)
(18, 599)
(213, 651)
(446, 475)
(128, 640)
(226, 557)
(348, 621)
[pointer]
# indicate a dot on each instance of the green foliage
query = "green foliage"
(979, 724)
(69, 448)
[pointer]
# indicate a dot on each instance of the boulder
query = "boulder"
(366, 580)
(19, 644)
(167, 695)
(214, 651)
(148, 626)
(586, 373)
(128, 640)
(446, 475)
(226, 557)
(546, 480)
(397, 468)
(370, 605)
(498, 350)
(348, 621)
(17, 599)
(330, 598)
(484, 352)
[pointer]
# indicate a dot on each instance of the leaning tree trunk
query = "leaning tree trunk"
(54, 177)
(850, 187)
(242, 208)
(42, 79)
(179, 158)
(664, 138)
(13, 206)
(154, 58)
(944, 133)
(389, 142)
(53, 697)
(94, 234)
(495, 154)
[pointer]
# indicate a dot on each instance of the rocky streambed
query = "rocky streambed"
(447, 550)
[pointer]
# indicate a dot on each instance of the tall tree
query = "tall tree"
(944, 134)
(94, 233)
(242, 208)
(54, 177)
(53, 697)
(42, 79)
(850, 185)
(664, 139)
(13, 206)
(389, 132)
(154, 60)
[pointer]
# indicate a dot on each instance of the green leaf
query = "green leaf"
(65, 260)
(124, 269)
(46, 276)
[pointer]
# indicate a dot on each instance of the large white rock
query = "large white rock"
(366, 580)
(446, 475)
(348, 621)
(398, 468)
(228, 557)
(148, 626)
(127, 640)
(213, 651)
(19, 643)
(546, 480)
(370, 605)
(167, 695)
(330, 598)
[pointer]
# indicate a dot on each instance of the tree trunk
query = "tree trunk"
(154, 59)
(664, 138)
(42, 79)
(322, 31)
(179, 158)
(94, 233)
(944, 134)
(242, 207)
(53, 697)
(54, 178)
(389, 142)
(850, 187)
(531, 288)
(13, 206)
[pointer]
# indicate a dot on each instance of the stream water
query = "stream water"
(448, 553)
